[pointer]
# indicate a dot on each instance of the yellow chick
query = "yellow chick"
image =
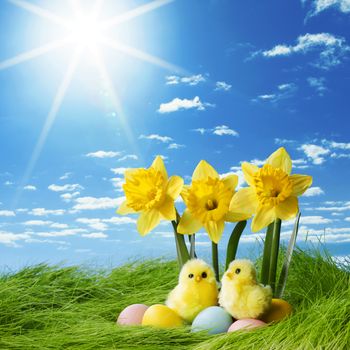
(196, 290)
(241, 295)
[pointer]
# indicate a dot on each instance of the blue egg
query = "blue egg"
(214, 320)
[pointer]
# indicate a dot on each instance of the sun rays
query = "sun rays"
(86, 32)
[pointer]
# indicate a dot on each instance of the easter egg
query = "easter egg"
(245, 324)
(213, 319)
(279, 310)
(161, 316)
(132, 315)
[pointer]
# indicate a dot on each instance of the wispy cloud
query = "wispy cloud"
(30, 188)
(93, 203)
(68, 197)
(94, 235)
(175, 146)
(322, 5)
(96, 224)
(178, 104)
(284, 91)
(315, 153)
(103, 154)
(118, 171)
(65, 188)
(66, 176)
(318, 84)
(331, 49)
(128, 156)
(313, 191)
(222, 130)
(45, 212)
(221, 85)
(189, 80)
(7, 213)
(10, 239)
(156, 137)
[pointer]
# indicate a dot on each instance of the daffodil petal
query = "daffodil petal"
(174, 186)
(300, 183)
(248, 171)
(128, 173)
(124, 209)
(167, 209)
(244, 202)
(215, 230)
(280, 159)
(235, 217)
(147, 221)
(203, 171)
(158, 164)
(287, 209)
(263, 218)
(231, 181)
(188, 224)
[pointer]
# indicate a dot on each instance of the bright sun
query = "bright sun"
(86, 32)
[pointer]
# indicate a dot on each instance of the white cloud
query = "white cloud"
(68, 197)
(340, 145)
(181, 104)
(10, 239)
(128, 156)
(103, 154)
(331, 49)
(221, 130)
(200, 130)
(65, 188)
(315, 153)
(65, 176)
(92, 203)
(175, 146)
(221, 85)
(8, 183)
(95, 224)
(44, 212)
(37, 223)
(7, 213)
(94, 235)
(321, 5)
(310, 220)
(118, 183)
(67, 232)
(164, 139)
(284, 91)
(118, 171)
(120, 220)
(318, 84)
(190, 80)
(313, 191)
(30, 188)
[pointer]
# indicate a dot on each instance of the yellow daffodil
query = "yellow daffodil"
(273, 191)
(207, 200)
(152, 194)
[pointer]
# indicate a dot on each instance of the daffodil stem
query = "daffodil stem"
(215, 259)
(274, 254)
(192, 239)
(233, 242)
(182, 253)
(265, 268)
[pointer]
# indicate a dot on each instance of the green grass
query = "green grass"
(46, 307)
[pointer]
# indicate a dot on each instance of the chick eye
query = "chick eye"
(204, 275)
(190, 275)
(238, 271)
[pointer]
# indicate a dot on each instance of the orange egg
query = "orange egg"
(279, 310)
(161, 316)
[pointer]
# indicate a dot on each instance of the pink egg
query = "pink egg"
(132, 315)
(245, 324)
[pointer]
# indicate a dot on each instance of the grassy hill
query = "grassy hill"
(45, 307)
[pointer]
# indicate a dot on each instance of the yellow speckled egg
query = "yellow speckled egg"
(161, 316)
(279, 310)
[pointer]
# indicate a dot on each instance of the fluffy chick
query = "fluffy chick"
(241, 295)
(196, 290)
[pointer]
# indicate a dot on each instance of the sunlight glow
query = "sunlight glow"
(86, 32)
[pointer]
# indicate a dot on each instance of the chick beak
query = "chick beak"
(198, 278)
(229, 275)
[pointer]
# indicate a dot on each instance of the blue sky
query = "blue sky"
(220, 80)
